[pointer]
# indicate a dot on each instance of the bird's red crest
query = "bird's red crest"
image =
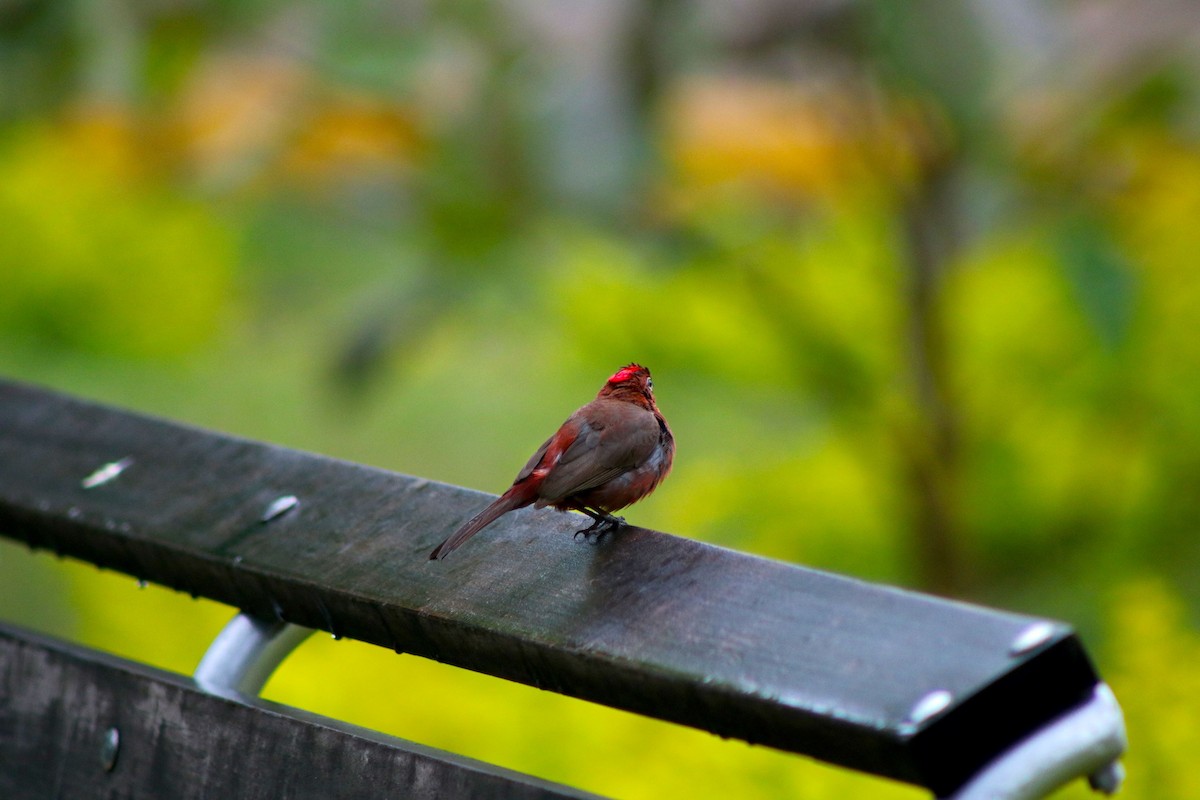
(625, 373)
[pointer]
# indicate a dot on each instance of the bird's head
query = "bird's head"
(630, 382)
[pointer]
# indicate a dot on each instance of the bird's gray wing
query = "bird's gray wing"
(607, 445)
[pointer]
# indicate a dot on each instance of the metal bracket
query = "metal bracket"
(1087, 740)
(245, 653)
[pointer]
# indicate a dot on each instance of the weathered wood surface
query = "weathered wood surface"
(59, 703)
(669, 627)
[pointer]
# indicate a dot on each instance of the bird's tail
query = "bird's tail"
(514, 498)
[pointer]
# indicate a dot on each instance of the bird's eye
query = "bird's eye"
(650, 383)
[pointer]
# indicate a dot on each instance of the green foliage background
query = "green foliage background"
(401, 238)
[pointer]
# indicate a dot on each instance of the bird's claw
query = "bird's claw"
(600, 526)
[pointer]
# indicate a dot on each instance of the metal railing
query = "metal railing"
(966, 701)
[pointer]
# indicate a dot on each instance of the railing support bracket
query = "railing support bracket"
(1087, 740)
(245, 653)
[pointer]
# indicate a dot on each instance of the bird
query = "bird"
(609, 454)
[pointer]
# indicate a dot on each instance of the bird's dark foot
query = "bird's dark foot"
(601, 524)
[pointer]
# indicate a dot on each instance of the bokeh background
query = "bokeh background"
(917, 282)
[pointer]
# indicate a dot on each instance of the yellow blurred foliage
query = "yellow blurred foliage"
(793, 142)
(230, 119)
(1153, 652)
(354, 137)
(96, 256)
(246, 119)
(1156, 217)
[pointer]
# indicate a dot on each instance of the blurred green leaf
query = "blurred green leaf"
(1101, 278)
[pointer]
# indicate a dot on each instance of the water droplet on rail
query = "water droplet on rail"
(930, 705)
(106, 473)
(1031, 638)
(280, 506)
